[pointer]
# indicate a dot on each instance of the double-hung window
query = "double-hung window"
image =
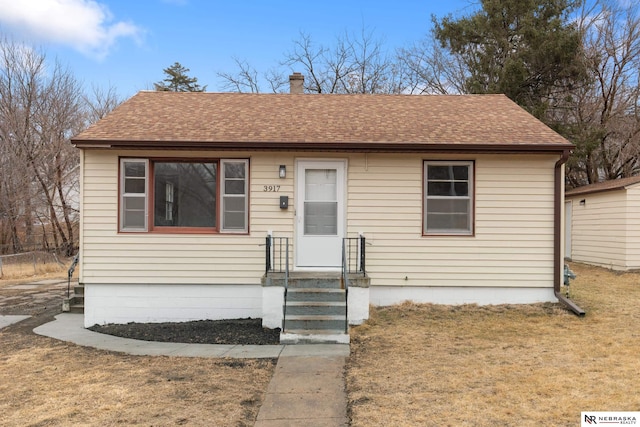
(448, 197)
(163, 195)
(133, 194)
(234, 195)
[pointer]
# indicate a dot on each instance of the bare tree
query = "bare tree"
(20, 67)
(100, 102)
(353, 64)
(14, 186)
(244, 80)
(41, 106)
(605, 119)
(59, 118)
(431, 69)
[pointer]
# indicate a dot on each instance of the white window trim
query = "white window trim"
(224, 195)
(471, 197)
(124, 195)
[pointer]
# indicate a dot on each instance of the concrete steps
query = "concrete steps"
(315, 295)
(315, 322)
(75, 303)
(322, 308)
(315, 310)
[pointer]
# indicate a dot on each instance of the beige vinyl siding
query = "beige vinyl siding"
(599, 229)
(112, 257)
(633, 227)
(513, 241)
(512, 245)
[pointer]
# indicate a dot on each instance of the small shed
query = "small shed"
(603, 224)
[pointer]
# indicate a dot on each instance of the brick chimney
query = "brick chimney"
(296, 83)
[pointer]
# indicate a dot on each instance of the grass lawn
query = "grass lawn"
(44, 382)
(431, 365)
(410, 365)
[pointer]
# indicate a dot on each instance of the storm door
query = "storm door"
(320, 213)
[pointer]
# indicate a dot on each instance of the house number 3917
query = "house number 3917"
(271, 188)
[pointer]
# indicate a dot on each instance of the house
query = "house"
(188, 199)
(603, 224)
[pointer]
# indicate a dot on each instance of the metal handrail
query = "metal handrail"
(345, 281)
(267, 263)
(352, 264)
(286, 285)
(72, 268)
(354, 255)
(270, 264)
(277, 255)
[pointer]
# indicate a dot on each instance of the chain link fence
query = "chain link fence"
(30, 264)
(38, 241)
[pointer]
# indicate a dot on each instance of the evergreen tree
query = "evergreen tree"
(178, 80)
(527, 49)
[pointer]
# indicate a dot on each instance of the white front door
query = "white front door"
(320, 213)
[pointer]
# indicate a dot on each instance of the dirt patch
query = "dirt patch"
(236, 331)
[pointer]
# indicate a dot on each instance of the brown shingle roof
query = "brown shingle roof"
(614, 184)
(234, 120)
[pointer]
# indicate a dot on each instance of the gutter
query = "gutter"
(557, 236)
(382, 147)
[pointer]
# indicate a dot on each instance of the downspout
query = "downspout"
(557, 236)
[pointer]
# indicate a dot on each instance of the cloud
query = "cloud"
(85, 25)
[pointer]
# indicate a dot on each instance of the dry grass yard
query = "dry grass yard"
(44, 382)
(410, 365)
(429, 365)
(17, 273)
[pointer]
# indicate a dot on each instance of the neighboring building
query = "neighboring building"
(603, 224)
(459, 199)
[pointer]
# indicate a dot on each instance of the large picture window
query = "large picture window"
(183, 195)
(448, 193)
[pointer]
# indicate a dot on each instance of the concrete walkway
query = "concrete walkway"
(307, 387)
(306, 391)
(10, 320)
(69, 327)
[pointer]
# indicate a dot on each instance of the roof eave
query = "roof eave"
(597, 190)
(582, 191)
(404, 147)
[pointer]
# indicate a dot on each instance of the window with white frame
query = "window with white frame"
(448, 197)
(133, 193)
(182, 195)
(234, 195)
